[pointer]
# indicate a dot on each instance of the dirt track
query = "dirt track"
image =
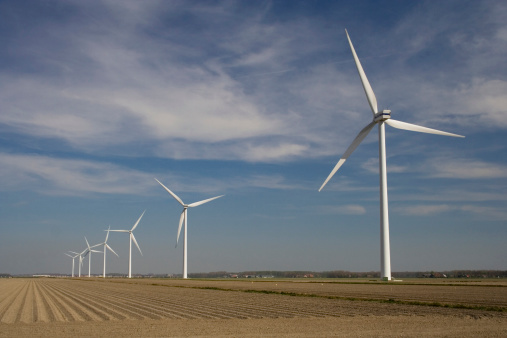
(63, 307)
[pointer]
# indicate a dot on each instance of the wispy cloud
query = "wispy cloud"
(485, 100)
(485, 212)
(134, 75)
(75, 177)
(69, 177)
(465, 169)
(488, 212)
(111, 86)
(349, 209)
(424, 210)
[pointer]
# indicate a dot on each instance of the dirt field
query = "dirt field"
(167, 307)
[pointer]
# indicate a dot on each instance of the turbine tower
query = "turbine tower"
(73, 258)
(90, 257)
(107, 247)
(130, 242)
(381, 118)
(184, 216)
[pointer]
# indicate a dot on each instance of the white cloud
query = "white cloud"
(424, 210)
(54, 176)
(484, 212)
(488, 212)
(128, 86)
(350, 209)
(69, 177)
(444, 193)
(465, 169)
(484, 99)
(185, 91)
(263, 181)
(271, 152)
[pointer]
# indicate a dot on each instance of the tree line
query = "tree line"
(350, 274)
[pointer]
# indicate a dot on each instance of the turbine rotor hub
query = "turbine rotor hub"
(382, 115)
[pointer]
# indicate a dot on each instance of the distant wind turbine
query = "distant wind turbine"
(130, 242)
(185, 217)
(381, 118)
(73, 258)
(81, 255)
(90, 255)
(107, 247)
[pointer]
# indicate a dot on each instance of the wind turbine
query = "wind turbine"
(81, 255)
(73, 258)
(130, 245)
(185, 217)
(381, 118)
(106, 247)
(90, 257)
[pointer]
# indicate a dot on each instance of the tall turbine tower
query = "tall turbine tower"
(184, 216)
(107, 247)
(131, 236)
(381, 118)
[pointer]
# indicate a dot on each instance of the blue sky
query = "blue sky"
(256, 100)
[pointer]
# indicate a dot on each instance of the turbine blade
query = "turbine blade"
(69, 255)
(135, 242)
(182, 217)
(372, 100)
(413, 127)
(111, 249)
(359, 138)
(135, 225)
(74, 252)
(195, 204)
(107, 236)
(172, 194)
(87, 243)
(118, 230)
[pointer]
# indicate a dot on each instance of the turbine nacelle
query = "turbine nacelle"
(382, 115)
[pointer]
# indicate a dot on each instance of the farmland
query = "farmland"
(172, 307)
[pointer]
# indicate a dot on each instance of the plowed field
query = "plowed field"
(151, 307)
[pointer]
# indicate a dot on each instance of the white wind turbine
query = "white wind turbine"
(90, 256)
(81, 255)
(185, 217)
(73, 258)
(130, 242)
(107, 247)
(381, 118)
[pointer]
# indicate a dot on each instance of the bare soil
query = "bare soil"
(277, 308)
